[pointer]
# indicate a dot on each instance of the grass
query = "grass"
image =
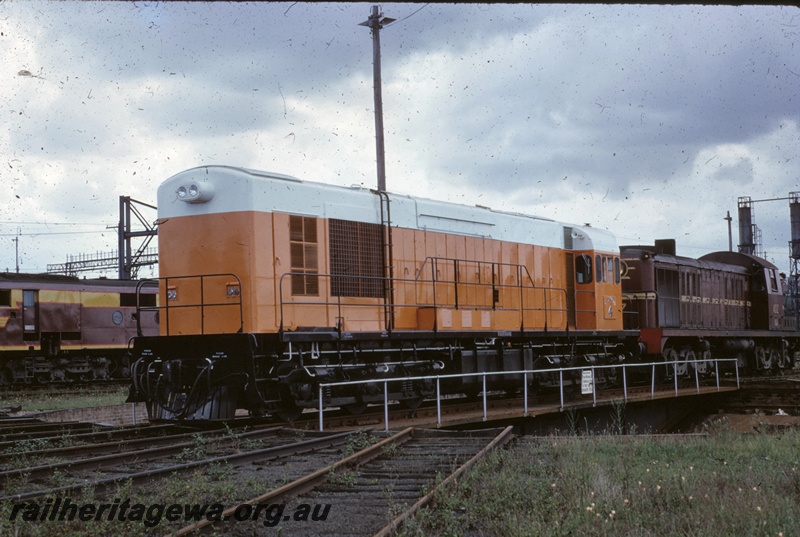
(723, 484)
(726, 483)
(53, 399)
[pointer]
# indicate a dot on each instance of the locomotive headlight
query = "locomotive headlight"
(233, 290)
(195, 192)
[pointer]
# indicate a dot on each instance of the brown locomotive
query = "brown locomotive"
(724, 304)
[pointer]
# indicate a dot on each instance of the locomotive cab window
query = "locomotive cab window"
(583, 269)
(617, 273)
(759, 281)
(5, 298)
(303, 253)
(773, 281)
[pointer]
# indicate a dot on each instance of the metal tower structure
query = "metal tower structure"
(125, 260)
(129, 261)
(793, 298)
(750, 243)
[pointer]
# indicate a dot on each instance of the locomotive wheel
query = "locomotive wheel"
(687, 360)
(704, 367)
(775, 357)
(290, 412)
(763, 358)
(783, 358)
(673, 363)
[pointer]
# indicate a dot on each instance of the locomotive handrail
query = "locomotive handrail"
(525, 373)
(308, 300)
(546, 290)
(338, 303)
(139, 308)
(649, 295)
(203, 305)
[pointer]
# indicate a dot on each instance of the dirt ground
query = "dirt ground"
(758, 423)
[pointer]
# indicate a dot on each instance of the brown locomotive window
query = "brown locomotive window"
(5, 297)
(356, 259)
(773, 281)
(303, 253)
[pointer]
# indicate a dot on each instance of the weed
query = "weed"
(197, 452)
(30, 444)
(390, 450)
(721, 484)
(358, 441)
(345, 478)
(618, 417)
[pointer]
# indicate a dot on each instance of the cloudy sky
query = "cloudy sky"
(649, 121)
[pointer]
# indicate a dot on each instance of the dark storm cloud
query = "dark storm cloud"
(563, 109)
(639, 91)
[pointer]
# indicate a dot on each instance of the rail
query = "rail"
(526, 372)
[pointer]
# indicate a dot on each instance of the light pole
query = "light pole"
(375, 23)
(16, 248)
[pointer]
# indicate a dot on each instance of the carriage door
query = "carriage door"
(30, 315)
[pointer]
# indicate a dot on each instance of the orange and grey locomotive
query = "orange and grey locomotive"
(64, 329)
(271, 286)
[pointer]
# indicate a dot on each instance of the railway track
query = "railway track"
(371, 492)
(146, 466)
(377, 479)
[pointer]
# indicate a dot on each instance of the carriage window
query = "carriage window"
(303, 253)
(129, 299)
(583, 269)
